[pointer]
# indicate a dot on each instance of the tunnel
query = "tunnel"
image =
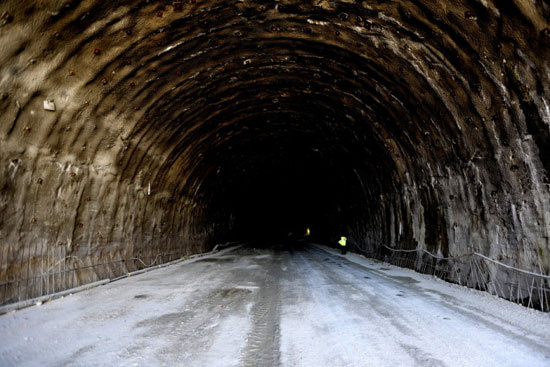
(136, 132)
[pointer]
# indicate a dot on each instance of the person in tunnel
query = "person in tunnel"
(342, 243)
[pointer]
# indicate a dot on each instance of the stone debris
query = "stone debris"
(49, 105)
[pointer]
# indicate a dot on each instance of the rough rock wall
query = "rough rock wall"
(126, 125)
(66, 222)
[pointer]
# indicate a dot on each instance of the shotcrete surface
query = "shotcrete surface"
(289, 306)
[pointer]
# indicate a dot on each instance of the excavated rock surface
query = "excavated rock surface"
(153, 129)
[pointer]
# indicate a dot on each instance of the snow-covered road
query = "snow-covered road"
(303, 306)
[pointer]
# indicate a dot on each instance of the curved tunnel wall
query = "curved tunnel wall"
(138, 132)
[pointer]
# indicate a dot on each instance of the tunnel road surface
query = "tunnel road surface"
(301, 306)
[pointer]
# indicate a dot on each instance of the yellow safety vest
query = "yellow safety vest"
(343, 241)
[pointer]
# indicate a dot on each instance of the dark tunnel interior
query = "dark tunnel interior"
(278, 187)
(158, 129)
(291, 157)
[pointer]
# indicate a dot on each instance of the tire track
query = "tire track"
(263, 342)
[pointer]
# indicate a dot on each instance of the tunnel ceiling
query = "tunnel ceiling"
(139, 129)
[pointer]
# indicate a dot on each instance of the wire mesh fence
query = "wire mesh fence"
(55, 270)
(478, 271)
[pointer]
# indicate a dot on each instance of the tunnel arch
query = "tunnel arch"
(151, 130)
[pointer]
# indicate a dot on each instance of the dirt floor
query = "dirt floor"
(289, 306)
